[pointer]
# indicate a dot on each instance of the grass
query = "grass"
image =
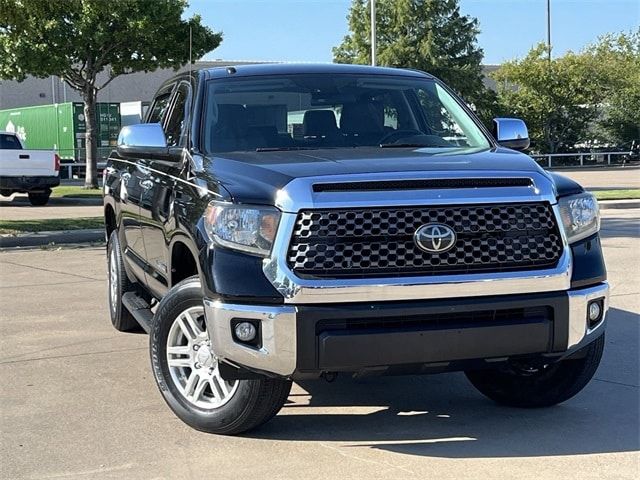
(24, 226)
(75, 191)
(622, 194)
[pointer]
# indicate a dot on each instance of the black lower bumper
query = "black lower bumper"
(28, 184)
(353, 337)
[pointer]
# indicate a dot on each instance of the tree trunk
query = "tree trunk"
(91, 140)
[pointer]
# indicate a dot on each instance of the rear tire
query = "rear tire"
(39, 199)
(119, 284)
(191, 385)
(543, 387)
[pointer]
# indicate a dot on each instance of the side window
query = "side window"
(159, 108)
(175, 125)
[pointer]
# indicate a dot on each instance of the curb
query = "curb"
(41, 239)
(618, 204)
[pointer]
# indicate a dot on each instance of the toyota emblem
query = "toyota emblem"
(435, 238)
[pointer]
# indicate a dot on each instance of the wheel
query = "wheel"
(540, 386)
(40, 198)
(187, 374)
(6, 193)
(119, 284)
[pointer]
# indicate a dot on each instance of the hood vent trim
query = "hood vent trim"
(424, 184)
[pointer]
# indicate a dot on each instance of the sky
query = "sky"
(306, 30)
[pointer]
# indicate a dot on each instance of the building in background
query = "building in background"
(134, 87)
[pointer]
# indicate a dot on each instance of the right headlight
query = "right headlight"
(248, 228)
(580, 216)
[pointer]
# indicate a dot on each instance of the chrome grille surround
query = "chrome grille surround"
(298, 196)
(379, 241)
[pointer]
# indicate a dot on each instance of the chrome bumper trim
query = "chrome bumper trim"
(278, 353)
(278, 328)
(578, 301)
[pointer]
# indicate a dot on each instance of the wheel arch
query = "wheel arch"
(183, 260)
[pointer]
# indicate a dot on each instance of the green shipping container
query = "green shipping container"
(62, 127)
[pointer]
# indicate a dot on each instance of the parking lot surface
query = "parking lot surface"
(78, 400)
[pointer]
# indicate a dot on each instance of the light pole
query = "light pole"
(373, 32)
(549, 30)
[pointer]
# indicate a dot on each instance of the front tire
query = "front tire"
(187, 374)
(119, 284)
(543, 386)
(39, 199)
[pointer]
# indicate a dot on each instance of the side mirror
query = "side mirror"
(143, 140)
(511, 133)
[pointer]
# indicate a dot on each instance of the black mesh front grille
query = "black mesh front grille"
(380, 241)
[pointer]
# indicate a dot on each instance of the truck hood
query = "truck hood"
(256, 177)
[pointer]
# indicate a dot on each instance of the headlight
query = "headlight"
(580, 216)
(250, 229)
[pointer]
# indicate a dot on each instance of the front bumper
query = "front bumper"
(307, 339)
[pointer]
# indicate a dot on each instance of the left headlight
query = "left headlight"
(248, 228)
(580, 216)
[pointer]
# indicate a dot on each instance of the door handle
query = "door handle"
(146, 184)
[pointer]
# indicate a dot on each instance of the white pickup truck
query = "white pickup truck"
(34, 172)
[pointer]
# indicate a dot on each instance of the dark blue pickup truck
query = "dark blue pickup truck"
(269, 223)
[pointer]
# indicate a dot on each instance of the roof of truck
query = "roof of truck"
(308, 68)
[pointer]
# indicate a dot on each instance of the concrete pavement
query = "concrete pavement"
(78, 400)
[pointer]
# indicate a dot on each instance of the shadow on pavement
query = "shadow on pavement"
(443, 416)
(612, 227)
(23, 201)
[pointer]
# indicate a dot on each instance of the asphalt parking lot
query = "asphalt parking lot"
(78, 399)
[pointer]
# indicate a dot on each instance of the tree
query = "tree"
(428, 35)
(591, 97)
(618, 57)
(559, 100)
(78, 39)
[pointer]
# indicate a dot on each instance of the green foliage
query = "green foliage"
(591, 97)
(428, 35)
(618, 57)
(79, 39)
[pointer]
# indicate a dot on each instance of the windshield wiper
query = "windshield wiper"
(283, 149)
(410, 145)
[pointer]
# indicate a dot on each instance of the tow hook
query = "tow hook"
(329, 376)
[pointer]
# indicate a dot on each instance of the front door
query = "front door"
(156, 209)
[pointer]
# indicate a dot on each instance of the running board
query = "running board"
(139, 308)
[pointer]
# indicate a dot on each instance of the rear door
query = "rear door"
(135, 176)
(156, 213)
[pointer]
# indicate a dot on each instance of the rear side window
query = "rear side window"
(175, 128)
(159, 108)
(9, 142)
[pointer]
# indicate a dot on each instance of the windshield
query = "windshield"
(292, 112)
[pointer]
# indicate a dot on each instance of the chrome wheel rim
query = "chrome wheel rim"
(113, 281)
(192, 363)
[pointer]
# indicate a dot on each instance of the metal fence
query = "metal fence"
(588, 159)
(70, 168)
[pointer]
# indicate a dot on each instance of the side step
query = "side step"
(139, 308)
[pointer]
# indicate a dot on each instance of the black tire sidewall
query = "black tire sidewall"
(185, 295)
(39, 199)
(121, 319)
(564, 380)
